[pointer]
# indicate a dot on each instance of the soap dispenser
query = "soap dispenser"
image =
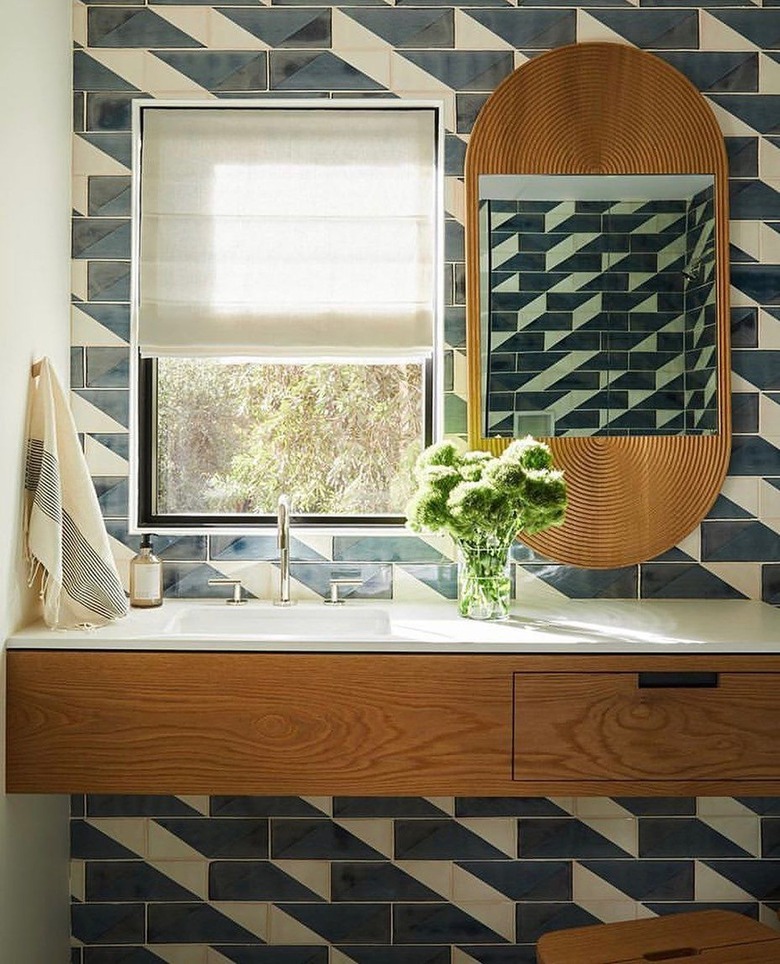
(146, 584)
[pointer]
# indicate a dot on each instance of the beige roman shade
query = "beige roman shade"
(287, 233)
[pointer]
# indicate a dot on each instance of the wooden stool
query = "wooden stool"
(703, 937)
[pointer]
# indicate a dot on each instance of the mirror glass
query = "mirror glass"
(598, 307)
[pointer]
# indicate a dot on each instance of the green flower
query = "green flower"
(529, 453)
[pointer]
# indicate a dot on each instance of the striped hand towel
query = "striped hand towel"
(65, 536)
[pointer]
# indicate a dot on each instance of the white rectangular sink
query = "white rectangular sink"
(295, 622)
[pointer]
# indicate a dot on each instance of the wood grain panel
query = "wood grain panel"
(270, 723)
(692, 936)
(603, 726)
(600, 108)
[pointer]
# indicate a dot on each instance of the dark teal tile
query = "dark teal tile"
(307, 70)
(658, 806)
(120, 881)
(654, 29)
(259, 548)
(395, 955)
(432, 839)
(438, 924)
(108, 280)
(587, 583)
(220, 70)
(525, 879)
(384, 807)
(735, 72)
(385, 549)
(89, 843)
(759, 878)
(108, 923)
(316, 839)
(562, 837)
(112, 494)
(344, 923)
(770, 584)
(375, 881)
(108, 196)
(90, 74)
(739, 541)
(221, 837)
(274, 955)
(280, 27)
(760, 27)
(77, 368)
(254, 880)
(100, 238)
(194, 924)
(672, 580)
(752, 455)
(108, 367)
(247, 806)
(421, 28)
(108, 112)
(683, 837)
(744, 327)
(464, 69)
(528, 29)
(536, 919)
(117, 146)
(129, 27)
(116, 318)
(760, 282)
(646, 879)
(137, 805)
(506, 807)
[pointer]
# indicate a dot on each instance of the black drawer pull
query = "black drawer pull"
(656, 681)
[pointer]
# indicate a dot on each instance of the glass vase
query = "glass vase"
(484, 580)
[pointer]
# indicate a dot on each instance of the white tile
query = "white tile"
(715, 35)
(768, 416)
(590, 29)
(769, 501)
(745, 832)
(768, 75)
(711, 886)
(743, 490)
(770, 242)
(768, 330)
(746, 236)
(164, 845)
(472, 35)
(745, 577)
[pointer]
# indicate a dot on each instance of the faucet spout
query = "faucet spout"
(283, 544)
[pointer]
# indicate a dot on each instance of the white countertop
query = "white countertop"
(546, 626)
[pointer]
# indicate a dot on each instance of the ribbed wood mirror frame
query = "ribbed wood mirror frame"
(602, 108)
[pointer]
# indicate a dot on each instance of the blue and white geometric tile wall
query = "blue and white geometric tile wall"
(194, 880)
(400, 880)
(459, 52)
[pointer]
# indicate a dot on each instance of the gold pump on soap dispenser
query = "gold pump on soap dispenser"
(146, 582)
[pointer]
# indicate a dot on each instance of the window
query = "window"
(286, 309)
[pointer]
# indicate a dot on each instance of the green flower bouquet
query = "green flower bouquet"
(483, 501)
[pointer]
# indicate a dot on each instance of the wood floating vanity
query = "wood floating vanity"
(409, 722)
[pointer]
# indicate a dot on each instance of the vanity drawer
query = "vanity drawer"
(652, 726)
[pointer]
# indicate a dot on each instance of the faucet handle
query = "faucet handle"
(335, 599)
(238, 599)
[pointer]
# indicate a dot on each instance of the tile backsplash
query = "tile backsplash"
(457, 52)
(193, 880)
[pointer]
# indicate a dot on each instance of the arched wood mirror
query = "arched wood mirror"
(598, 293)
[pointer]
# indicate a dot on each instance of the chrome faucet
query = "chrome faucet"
(283, 544)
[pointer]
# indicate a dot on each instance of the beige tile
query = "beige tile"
(472, 35)
(314, 874)
(466, 888)
(253, 917)
(743, 576)
(623, 832)
(501, 832)
(80, 23)
(190, 874)
(194, 21)
(181, 953)
(499, 916)
(286, 930)
(77, 879)
(768, 75)
(164, 845)
(225, 35)
(715, 35)
(745, 832)
(84, 330)
(376, 832)
(709, 885)
(130, 832)
(437, 875)
(590, 29)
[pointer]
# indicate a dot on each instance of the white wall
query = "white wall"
(35, 111)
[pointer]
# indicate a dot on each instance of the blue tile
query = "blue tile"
(108, 280)
(658, 806)
(262, 807)
(647, 879)
(760, 368)
(439, 924)
(274, 955)
(120, 955)
(218, 837)
(441, 840)
(137, 805)
(762, 805)
(384, 807)
(280, 27)
(112, 494)
(396, 955)
(194, 924)
(376, 580)
(735, 72)
(108, 923)
(683, 837)
(108, 367)
(744, 412)
(464, 69)
(770, 837)
(129, 27)
(307, 70)
(190, 580)
(751, 455)
(259, 548)
(344, 923)
(90, 74)
(77, 805)
(376, 881)
(108, 112)
(254, 880)
(506, 807)
(528, 29)
(672, 580)
(426, 28)
(563, 837)
(726, 509)
(220, 70)
(535, 919)
(760, 282)
(442, 579)
(526, 880)
(588, 583)
(385, 549)
(748, 908)
(742, 156)
(130, 880)
(770, 584)
(89, 843)
(77, 368)
(761, 27)
(300, 839)
(108, 195)
(759, 878)
(739, 542)
(654, 29)
(117, 146)
(116, 318)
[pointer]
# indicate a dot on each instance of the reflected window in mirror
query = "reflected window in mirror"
(598, 305)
